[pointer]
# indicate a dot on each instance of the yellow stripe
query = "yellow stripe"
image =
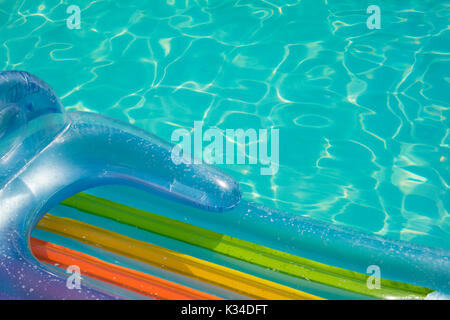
(208, 272)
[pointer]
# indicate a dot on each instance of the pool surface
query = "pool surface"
(363, 115)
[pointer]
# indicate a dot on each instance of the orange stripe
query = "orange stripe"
(124, 277)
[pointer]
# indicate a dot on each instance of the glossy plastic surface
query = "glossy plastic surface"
(47, 155)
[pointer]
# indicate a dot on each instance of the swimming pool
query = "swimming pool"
(362, 114)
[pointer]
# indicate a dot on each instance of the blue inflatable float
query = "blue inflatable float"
(48, 155)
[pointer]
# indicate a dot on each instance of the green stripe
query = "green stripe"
(243, 250)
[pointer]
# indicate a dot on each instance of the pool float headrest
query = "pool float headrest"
(47, 155)
(24, 98)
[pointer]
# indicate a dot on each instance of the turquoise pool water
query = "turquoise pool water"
(363, 115)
